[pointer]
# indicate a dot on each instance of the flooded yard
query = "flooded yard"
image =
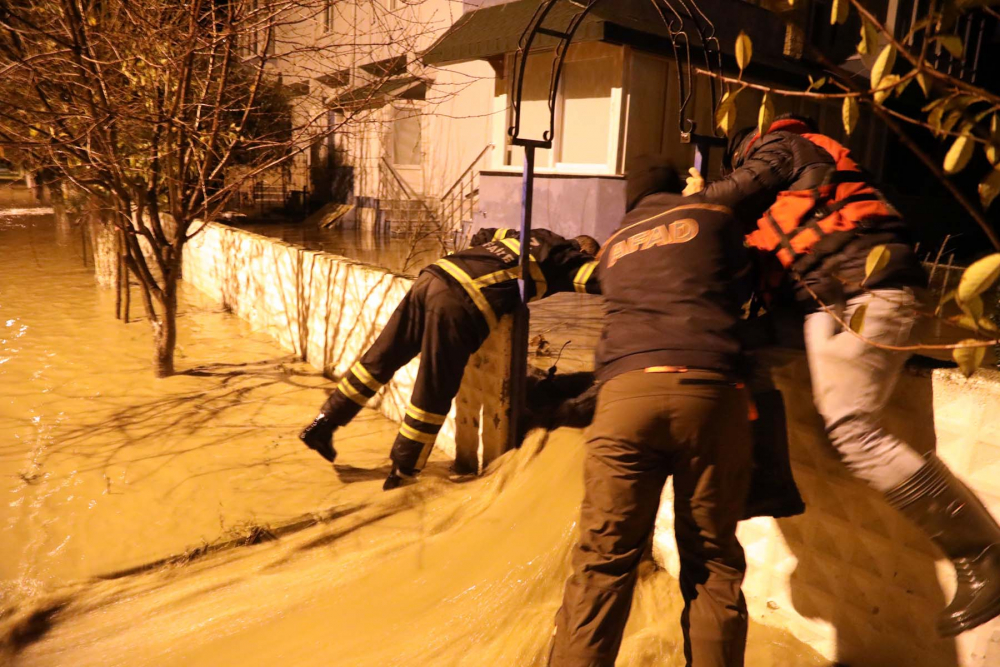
(180, 522)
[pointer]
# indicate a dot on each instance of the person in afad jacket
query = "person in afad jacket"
(820, 216)
(445, 317)
(670, 403)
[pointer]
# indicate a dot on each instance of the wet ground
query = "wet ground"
(105, 472)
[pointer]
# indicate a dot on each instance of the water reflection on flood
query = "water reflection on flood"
(399, 254)
(102, 467)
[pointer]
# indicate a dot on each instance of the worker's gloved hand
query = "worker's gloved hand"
(398, 478)
(695, 183)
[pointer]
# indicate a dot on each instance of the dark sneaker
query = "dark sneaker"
(319, 436)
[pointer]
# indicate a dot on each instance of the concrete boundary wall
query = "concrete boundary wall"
(327, 310)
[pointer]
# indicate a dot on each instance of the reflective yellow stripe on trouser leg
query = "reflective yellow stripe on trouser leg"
(350, 392)
(425, 439)
(365, 377)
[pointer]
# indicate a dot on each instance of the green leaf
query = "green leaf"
(978, 278)
(925, 83)
(886, 87)
(973, 307)
(901, 88)
(968, 358)
(966, 322)
(878, 258)
(869, 38)
(766, 114)
(817, 84)
(933, 104)
(958, 155)
(950, 121)
(952, 44)
(839, 10)
(934, 118)
(945, 298)
(989, 188)
(993, 148)
(744, 50)
(883, 64)
(849, 114)
(725, 115)
(857, 322)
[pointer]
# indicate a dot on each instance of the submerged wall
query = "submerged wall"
(327, 310)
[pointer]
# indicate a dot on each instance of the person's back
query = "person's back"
(671, 403)
(671, 283)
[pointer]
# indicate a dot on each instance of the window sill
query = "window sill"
(559, 172)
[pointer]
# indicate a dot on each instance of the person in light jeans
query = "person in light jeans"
(820, 218)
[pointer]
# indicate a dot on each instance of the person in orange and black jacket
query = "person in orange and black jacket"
(820, 216)
(670, 403)
(445, 317)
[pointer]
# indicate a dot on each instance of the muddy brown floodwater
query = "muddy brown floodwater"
(396, 253)
(104, 470)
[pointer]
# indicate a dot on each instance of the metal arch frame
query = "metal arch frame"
(675, 24)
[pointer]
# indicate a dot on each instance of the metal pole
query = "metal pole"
(526, 289)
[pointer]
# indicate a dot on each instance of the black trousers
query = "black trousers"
(440, 323)
(648, 426)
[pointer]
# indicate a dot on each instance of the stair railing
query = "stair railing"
(459, 202)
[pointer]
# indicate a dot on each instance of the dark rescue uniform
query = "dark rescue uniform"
(671, 404)
(445, 317)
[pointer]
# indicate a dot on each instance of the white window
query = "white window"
(328, 16)
(586, 111)
(407, 143)
(585, 114)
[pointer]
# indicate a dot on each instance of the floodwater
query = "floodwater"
(399, 254)
(106, 472)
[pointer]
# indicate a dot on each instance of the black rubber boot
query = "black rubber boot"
(398, 478)
(958, 523)
(319, 436)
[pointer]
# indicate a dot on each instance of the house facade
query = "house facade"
(418, 94)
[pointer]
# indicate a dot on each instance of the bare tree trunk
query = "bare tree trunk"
(128, 290)
(165, 334)
(119, 250)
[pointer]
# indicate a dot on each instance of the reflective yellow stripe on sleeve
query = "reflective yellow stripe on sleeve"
(501, 233)
(413, 434)
(424, 416)
(583, 276)
(366, 378)
(469, 285)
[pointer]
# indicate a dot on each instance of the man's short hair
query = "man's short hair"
(588, 244)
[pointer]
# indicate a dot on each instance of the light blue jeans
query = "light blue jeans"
(853, 381)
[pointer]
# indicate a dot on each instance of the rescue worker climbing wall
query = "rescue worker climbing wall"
(445, 317)
(671, 403)
(820, 216)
